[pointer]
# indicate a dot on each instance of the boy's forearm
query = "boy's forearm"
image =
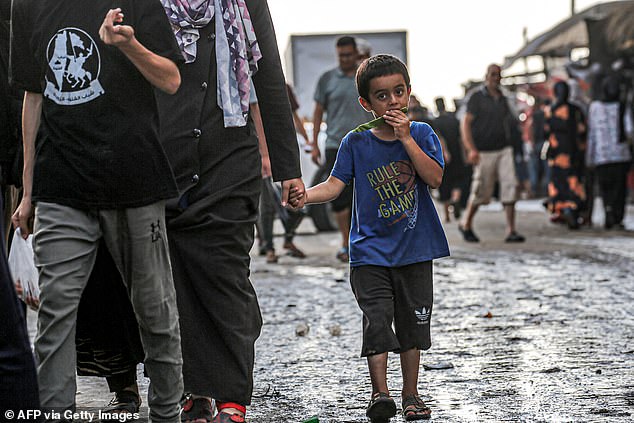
(427, 168)
(324, 192)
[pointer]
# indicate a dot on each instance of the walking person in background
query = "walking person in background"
(98, 172)
(270, 200)
(566, 129)
(396, 233)
(448, 129)
(209, 137)
(537, 166)
(609, 127)
(336, 95)
(487, 137)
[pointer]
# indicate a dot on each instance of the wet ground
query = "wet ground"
(541, 331)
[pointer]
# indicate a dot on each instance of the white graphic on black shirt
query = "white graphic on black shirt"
(74, 64)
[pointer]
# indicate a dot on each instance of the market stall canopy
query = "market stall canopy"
(573, 32)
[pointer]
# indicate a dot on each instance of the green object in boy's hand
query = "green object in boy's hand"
(373, 123)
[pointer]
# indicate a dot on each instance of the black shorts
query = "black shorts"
(397, 305)
(344, 201)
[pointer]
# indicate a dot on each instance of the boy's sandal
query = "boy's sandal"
(414, 408)
(381, 408)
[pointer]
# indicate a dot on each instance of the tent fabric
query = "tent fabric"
(572, 32)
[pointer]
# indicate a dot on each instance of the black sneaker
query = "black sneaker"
(468, 234)
(514, 237)
(124, 403)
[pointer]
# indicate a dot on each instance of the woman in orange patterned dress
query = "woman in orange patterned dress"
(565, 124)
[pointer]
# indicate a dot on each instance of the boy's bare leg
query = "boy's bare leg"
(410, 362)
(343, 221)
(377, 364)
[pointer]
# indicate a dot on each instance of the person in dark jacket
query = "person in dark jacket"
(210, 139)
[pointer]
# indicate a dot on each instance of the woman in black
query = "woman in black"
(217, 165)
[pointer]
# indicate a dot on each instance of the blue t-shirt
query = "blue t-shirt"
(394, 221)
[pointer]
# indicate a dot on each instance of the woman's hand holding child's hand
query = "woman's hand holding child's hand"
(295, 198)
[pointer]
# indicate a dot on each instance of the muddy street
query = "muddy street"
(528, 336)
(541, 331)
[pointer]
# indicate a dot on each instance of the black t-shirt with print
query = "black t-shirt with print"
(98, 145)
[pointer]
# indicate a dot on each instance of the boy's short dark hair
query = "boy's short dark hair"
(346, 40)
(376, 66)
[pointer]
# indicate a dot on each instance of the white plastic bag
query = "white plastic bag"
(23, 270)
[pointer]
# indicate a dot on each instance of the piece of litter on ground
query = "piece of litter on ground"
(335, 330)
(443, 365)
(302, 329)
(551, 370)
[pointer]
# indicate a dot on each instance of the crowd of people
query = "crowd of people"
(568, 151)
(151, 201)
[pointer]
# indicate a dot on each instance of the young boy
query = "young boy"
(396, 232)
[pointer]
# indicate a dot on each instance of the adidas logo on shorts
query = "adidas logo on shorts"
(422, 314)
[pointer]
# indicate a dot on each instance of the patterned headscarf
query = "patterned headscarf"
(237, 50)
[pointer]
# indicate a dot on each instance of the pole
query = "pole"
(572, 7)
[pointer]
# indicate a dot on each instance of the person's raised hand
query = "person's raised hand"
(399, 121)
(112, 32)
